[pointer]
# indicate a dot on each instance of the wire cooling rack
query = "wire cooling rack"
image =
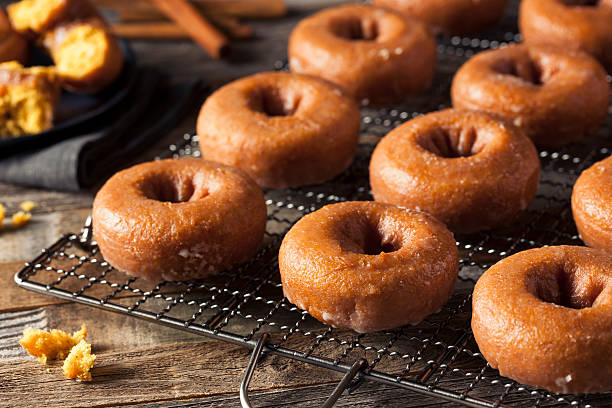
(438, 357)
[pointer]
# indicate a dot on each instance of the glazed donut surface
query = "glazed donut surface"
(584, 25)
(470, 169)
(555, 96)
(284, 130)
(368, 266)
(592, 205)
(178, 219)
(451, 17)
(543, 317)
(378, 55)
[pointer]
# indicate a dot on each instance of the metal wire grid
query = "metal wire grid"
(437, 357)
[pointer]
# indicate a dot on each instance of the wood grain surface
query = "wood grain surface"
(141, 363)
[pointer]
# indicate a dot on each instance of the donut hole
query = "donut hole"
(273, 101)
(353, 28)
(563, 288)
(166, 188)
(375, 242)
(367, 236)
(451, 143)
(529, 71)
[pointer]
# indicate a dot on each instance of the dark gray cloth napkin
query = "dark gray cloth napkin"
(102, 146)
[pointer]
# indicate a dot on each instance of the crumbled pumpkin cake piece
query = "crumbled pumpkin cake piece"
(20, 218)
(28, 98)
(27, 206)
(79, 362)
(52, 345)
(86, 54)
(32, 16)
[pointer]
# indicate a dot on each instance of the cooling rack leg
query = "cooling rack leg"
(248, 374)
(344, 383)
(331, 400)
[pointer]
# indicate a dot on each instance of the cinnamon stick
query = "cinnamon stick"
(161, 30)
(142, 10)
(243, 8)
(150, 31)
(196, 25)
(232, 26)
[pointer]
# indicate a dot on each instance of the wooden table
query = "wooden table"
(140, 363)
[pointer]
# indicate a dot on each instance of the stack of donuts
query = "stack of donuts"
(542, 317)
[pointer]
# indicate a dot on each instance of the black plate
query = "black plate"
(74, 109)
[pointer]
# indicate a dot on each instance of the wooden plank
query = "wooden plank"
(113, 332)
(162, 373)
(106, 330)
(42, 230)
(47, 201)
(369, 394)
(12, 325)
(15, 298)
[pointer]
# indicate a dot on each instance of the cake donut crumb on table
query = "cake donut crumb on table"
(51, 345)
(178, 219)
(556, 96)
(368, 266)
(378, 55)
(542, 317)
(472, 170)
(79, 362)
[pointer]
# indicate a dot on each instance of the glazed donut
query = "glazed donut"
(378, 55)
(87, 56)
(592, 205)
(469, 169)
(451, 17)
(555, 96)
(178, 219)
(542, 317)
(284, 130)
(368, 266)
(13, 47)
(584, 25)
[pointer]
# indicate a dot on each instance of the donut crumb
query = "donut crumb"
(79, 362)
(27, 205)
(52, 345)
(20, 218)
